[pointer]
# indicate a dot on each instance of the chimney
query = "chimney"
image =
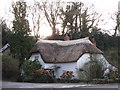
(92, 39)
(66, 38)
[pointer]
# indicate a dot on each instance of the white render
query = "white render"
(73, 66)
(86, 58)
(39, 59)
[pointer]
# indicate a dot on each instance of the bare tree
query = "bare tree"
(71, 16)
(51, 12)
(117, 22)
(35, 11)
(1, 20)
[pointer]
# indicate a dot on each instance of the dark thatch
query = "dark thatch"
(57, 52)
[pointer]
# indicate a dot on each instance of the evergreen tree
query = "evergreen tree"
(4, 31)
(51, 12)
(20, 41)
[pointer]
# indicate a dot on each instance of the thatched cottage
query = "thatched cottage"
(59, 56)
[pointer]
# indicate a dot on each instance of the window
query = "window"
(52, 73)
(36, 57)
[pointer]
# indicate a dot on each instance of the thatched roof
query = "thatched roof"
(54, 51)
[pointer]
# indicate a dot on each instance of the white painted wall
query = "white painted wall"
(74, 66)
(86, 58)
(67, 67)
(63, 66)
(82, 60)
(39, 59)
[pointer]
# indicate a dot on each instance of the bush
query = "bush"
(32, 72)
(103, 80)
(28, 68)
(27, 78)
(73, 81)
(114, 74)
(113, 57)
(42, 76)
(92, 69)
(10, 67)
(68, 80)
(67, 75)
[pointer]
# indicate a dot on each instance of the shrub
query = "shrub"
(42, 76)
(92, 69)
(28, 68)
(68, 80)
(103, 80)
(10, 67)
(114, 74)
(27, 78)
(113, 56)
(33, 72)
(67, 75)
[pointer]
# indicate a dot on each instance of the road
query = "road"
(7, 84)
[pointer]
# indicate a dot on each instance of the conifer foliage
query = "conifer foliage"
(20, 41)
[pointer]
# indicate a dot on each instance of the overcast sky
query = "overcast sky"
(105, 7)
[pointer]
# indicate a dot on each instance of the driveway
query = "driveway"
(6, 84)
